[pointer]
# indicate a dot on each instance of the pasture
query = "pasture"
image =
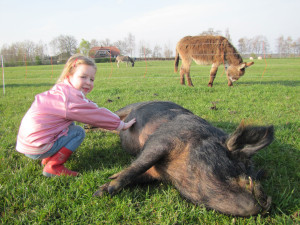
(267, 94)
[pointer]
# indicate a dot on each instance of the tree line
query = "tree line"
(63, 46)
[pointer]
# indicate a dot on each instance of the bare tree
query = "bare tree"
(227, 35)
(40, 49)
(106, 42)
(156, 51)
(122, 46)
(287, 47)
(211, 31)
(296, 47)
(289, 44)
(168, 52)
(64, 44)
(280, 46)
(144, 50)
(127, 45)
(94, 43)
(131, 43)
(242, 46)
(19, 52)
(259, 45)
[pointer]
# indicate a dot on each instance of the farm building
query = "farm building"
(101, 52)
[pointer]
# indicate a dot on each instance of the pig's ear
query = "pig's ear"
(248, 139)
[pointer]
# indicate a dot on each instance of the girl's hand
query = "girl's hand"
(129, 124)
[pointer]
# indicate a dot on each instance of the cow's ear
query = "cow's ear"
(249, 64)
(242, 66)
(247, 140)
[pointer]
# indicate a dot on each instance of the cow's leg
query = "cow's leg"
(185, 70)
(182, 72)
(213, 72)
(189, 80)
(118, 64)
(150, 155)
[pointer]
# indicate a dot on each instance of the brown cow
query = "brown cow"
(125, 59)
(215, 50)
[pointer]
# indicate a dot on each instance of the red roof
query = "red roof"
(114, 51)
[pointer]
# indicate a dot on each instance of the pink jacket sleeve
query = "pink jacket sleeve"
(80, 109)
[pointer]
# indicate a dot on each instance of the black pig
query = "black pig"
(206, 165)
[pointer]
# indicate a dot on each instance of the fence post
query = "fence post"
(145, 62)
(3, 74)
(25, 66)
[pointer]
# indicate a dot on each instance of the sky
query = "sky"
(154, 22)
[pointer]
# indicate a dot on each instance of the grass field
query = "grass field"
(269, 93)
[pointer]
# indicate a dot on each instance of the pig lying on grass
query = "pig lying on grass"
(206, 165)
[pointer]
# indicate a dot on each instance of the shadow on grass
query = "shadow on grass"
(279, 160)
(27, 85)
(288, 83)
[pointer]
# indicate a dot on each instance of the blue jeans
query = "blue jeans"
(74, 138)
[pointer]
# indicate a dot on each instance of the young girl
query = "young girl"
(47, 130)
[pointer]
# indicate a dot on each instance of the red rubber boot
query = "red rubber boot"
(45, 161)
(55, 167)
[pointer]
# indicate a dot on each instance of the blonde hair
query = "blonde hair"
(71, 65)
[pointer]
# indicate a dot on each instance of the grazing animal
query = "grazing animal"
(206, 165)
(215, 50)
(124, 59)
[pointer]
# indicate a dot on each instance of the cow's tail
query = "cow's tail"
(176, 61)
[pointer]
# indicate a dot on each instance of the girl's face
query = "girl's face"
(83, 78)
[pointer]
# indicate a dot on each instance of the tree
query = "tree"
(289, 44)
(296, 47)
(130, 40)
(259, 45)
(156, 51)
(227, 35)
(144, 50)
(106, 42)
(84, 47)
(19, 52)
(64, 44)
(126, 46)
(168, 52)
(94, 43)
(280, 45)
(211, 31)
(242, 46)
(122, 46)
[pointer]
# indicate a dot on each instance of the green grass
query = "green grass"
(260, 98)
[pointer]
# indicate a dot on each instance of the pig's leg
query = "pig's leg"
(151, 154)
(149, 176)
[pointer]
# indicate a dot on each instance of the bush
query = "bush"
(38, 60)
(104, 60)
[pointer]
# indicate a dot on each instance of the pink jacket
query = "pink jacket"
(51, 114)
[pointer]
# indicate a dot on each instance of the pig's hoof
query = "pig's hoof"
(114, 187)
(114, 176)
(102, 190)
